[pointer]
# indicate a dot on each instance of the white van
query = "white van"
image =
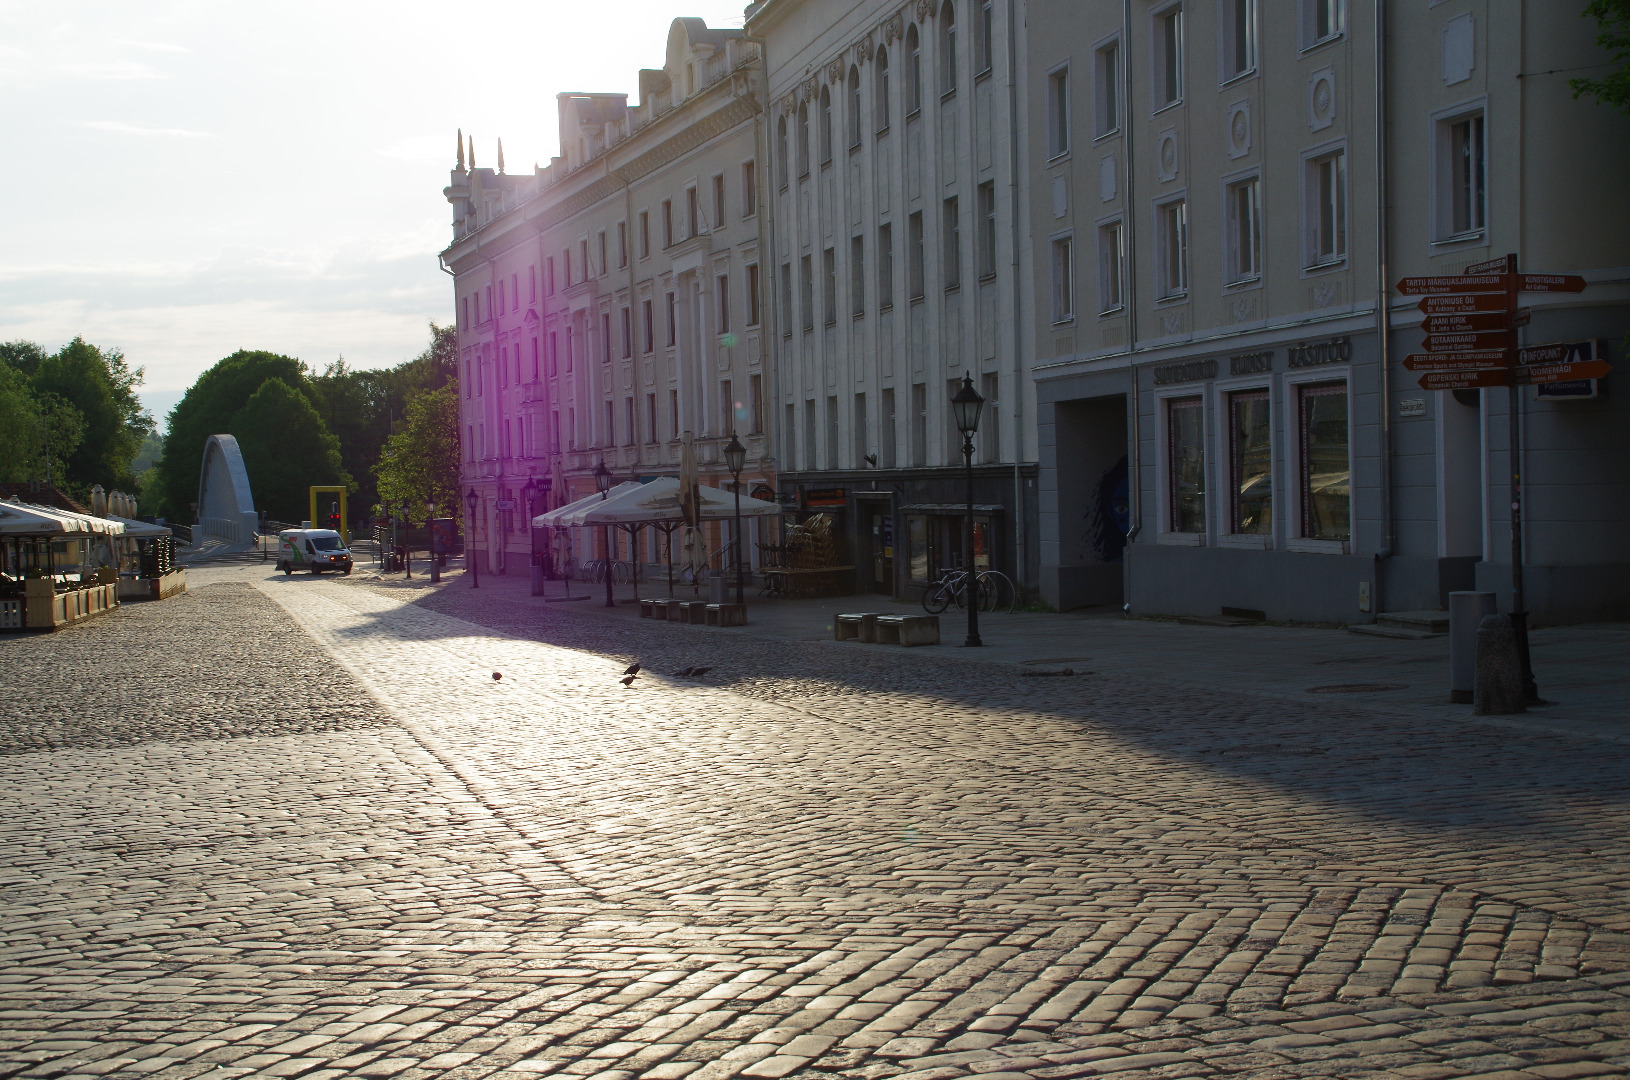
(312, 549)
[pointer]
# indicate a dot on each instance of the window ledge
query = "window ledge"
(1174, 298)
(1167, 106)
(1324, 267)
(1112, 133)
(1068, 320)
(987, 278)
(954, 287)
(1176, 539)
(1316, 547)
(1238, 76)
(884, 307)
(880, 132)
(947, 95)
(1314, 46)
(1476, 236)
(1118, 309)
(1248, 541)
(914, 113)
(1243, 284)
(1058, 159)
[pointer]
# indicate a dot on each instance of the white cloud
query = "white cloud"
(121, 128)
(111, 70)
(155, 46)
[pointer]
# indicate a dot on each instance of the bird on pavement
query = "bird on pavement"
(683, 673)
(633, 669)
(627, 680)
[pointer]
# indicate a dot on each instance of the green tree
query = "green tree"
(101, 387)
(28, 418)
(286, 449)
(420, 462)
(1613, 26)
(25, 356)
(208, 409)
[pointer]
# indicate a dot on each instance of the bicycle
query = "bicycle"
(996, 592)
(951, 587)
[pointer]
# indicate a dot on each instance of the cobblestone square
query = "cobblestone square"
(295, 828)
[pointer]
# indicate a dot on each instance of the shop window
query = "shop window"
(1250, 464)
(1186, 464)
(1325, 479)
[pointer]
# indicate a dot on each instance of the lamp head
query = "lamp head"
(965, 406)
(602, 477)
(735, 456)
(471, 499)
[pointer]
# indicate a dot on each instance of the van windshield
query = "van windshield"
(326, 543)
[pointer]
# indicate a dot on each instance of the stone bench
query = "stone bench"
(908, 630)
(855, 626)
(689, 611)
(727, 614)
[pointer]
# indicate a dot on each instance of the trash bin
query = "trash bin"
(718, 589)
(537, 579)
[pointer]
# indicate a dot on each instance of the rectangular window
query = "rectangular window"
(549, 276)
(1168, 58)
(571, 428)
(885, 448)
(914, 255)
(857, 276)
(859, 432)
(1058, 113)
(609, 436)
(1186, 464)
(1462, 178)
(673, 318)
(727, 408)
(1327, 209)
(786, 299)
(919, 424)
(951, 239)
(628, 332)
(645, 234)
(832, 432)
(583, 260)
(554, 354)
(515, 291)
(987, 229)
(622, 244)
(755, 384)
(1111, 267)
(1322, 20)
(466, 320)
(990, 427)
(650, 326)
(1063, 279)
(829, 284)
(986, 31)
(806, 291)
(630, 432)
(605, 264)
(693, 214)
(1243, 206)
(718, 201)
(749, 189)
(947, 23)
(722, 290)
(566, 262)
(571, 351)
(532, 284)
(667, 222)
(1250, 463)
(650, 418)
(1325, 483)
(1172, 236)
(885, 267)
(534, 359)
(673, 412)
(1238, 38)
(788, 428)
(605, 337)
(808, 457)
(1106, 78)
(554, 418)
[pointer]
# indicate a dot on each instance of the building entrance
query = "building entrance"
(1093, 500)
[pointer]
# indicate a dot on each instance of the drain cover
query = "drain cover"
(1355, 688)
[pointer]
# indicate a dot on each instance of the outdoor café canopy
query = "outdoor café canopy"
(659, 501)
(27, 519)
(556, 518)
(141, 530)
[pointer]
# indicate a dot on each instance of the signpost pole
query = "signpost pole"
(1519, 608)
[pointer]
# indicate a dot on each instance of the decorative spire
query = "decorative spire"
(472, 153)
(460, 149)
(500, 155)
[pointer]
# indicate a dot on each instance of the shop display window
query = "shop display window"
(1250, 451)
(1325, 471)
(1185, 461)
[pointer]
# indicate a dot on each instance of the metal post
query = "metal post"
(973, 580)
(1519, 609)
(740, 593)
(435, 570)
(470, 563)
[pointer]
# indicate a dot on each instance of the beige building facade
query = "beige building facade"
(613, 303)
(1224, 194)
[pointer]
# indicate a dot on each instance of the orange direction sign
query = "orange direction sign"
(1458, 361)
(1459, 283)
(1473, 322)
(1443, 343)
(1550, 373)
(1550, 283)
(1464, 380)
(1440, 305)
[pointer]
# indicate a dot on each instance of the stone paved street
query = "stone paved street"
(316, 838)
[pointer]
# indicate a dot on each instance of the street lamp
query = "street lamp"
(735, 456)
(430, 527)
(469, 543)
(530, 491)
(602, 483)
(407, 541)
(965, 406)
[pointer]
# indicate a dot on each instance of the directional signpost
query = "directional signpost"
(1471, 343)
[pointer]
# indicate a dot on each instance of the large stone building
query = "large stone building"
(612, 303)
(1224, 194)
(899, 257)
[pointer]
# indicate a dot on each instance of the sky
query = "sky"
(184, 178)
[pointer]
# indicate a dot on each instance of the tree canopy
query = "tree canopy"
(82, 400)
(1613, 23)
(419, 463)
(286, 449)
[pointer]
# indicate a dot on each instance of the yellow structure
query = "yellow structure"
(331, 501)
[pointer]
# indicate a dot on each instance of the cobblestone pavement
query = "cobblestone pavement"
(819, 859)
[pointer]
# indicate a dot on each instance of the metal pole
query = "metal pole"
(740, 593)
(435, 571)
(469, 555)
(1519, 610)
(611, 601)
(973, 581)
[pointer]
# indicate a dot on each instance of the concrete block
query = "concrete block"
(908, 630)
(1498, 690)
(693, 611)
(855, 626)
(727, 614)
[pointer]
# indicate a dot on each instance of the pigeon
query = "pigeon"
(633, 669)
(627, 680)
(684, 673)
(497, 675)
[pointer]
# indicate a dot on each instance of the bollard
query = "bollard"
(1466, 612)
(537, 579)
(1498, 689)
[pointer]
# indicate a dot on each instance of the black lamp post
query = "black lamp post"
(530, 492)
(469, 542)
(407, 541)
(735, 456)
(965, 406)
(430, 527)
(602, 483)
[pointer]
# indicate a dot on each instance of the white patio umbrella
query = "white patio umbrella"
(659, 501)
(558, 518)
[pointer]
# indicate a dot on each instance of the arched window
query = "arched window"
(914, 70)
(854, 106)
(826, 125)
(947, 48)
(882, 89)
(781, 151)
(803, 138)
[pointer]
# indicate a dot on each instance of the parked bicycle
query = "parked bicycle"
(993, 590)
